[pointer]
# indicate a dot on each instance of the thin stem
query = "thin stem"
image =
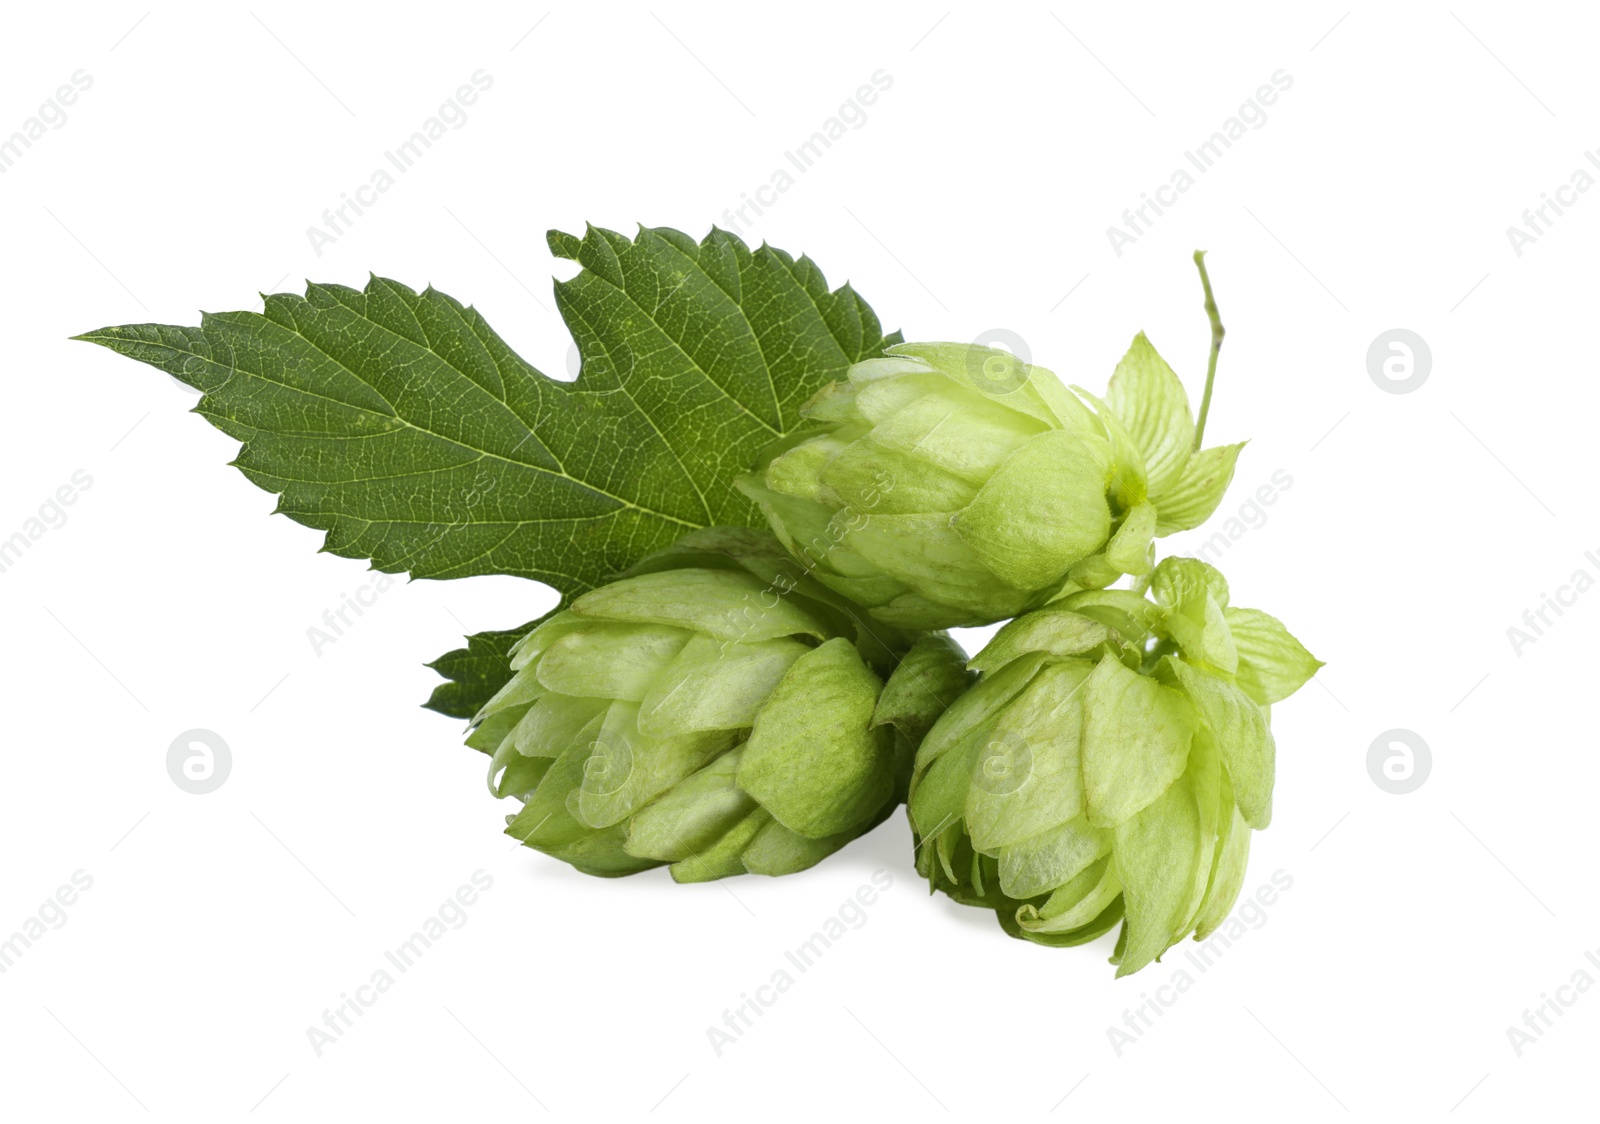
(1217, 332)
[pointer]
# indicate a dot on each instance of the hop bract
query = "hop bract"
(715, 710)
(956, 485)
(1110, 764)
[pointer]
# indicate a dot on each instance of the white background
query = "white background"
(977, 195)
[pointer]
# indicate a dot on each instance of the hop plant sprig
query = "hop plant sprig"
(716, 700)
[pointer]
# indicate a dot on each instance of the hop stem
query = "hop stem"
(1217, 332)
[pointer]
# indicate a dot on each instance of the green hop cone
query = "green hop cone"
(714, 710)
(1110, 764)
(957, 485)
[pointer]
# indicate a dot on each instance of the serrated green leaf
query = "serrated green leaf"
(405, 428)
(401, 424)
(475, 673)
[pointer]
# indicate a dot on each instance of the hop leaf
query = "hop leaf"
(404, 427)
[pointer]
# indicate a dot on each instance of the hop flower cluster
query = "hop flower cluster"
(750, 703)
(1110, 764)
(714, 710)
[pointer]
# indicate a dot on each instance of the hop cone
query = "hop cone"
(956, 485)
(1110, 764)
(714, 710)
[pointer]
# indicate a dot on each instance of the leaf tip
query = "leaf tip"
(562, 244)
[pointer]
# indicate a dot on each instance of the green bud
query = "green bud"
(716, 710)
(1109, 765)
(956, 485)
